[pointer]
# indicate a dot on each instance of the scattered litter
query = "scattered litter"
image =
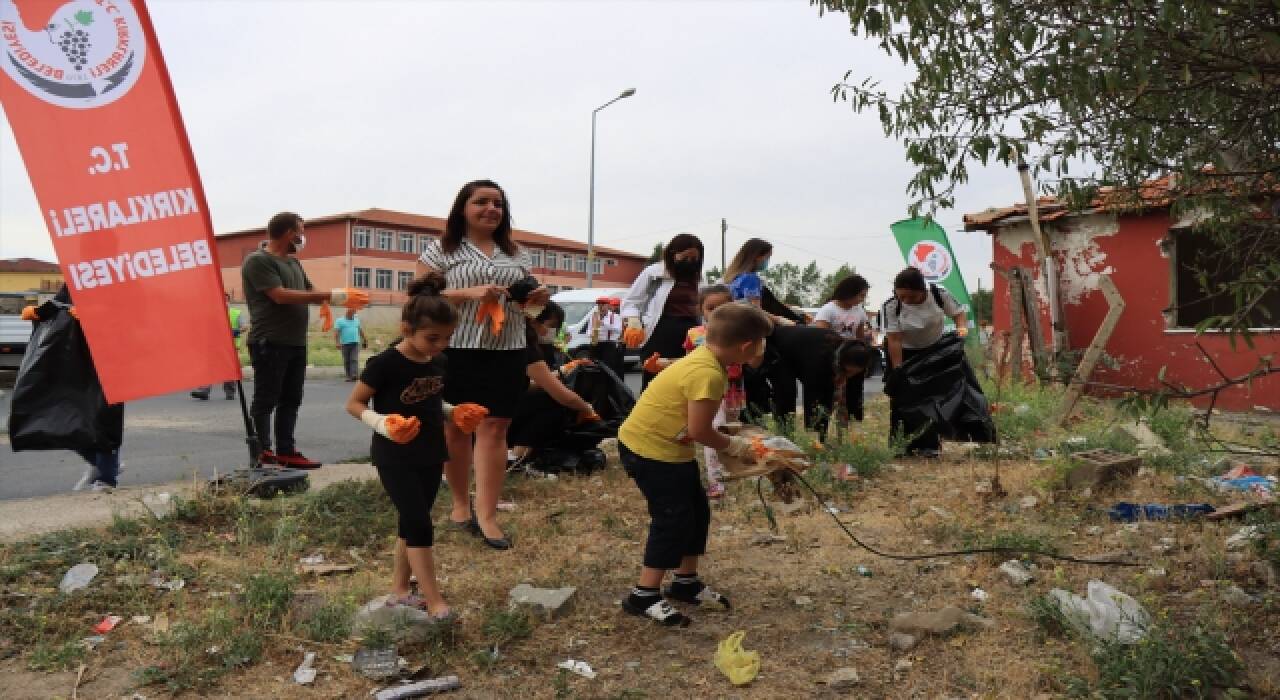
(419, 689)
(376, 663)
(316, 558)
(1125, 512)
(1106, 611)
(902, 666)
(506, 506)
(160, 504)
(91, 643)
(633, 665)
(1017, 573)
(1077, 441)
(1157, 572)
(1043, 454)
(78, 577)
(739, 665)
(304, 674)
(1243, 536)
(979, 595)
(108, 623)
(1028, 502)
(172, 586)
(580, 668)
(343, 658)
(326, 569)
(140, 619)
(902, 642)
(863, 571)
(803, 601)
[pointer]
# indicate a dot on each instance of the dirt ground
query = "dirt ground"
(800, 598)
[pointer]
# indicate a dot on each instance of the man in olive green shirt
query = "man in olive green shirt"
(278, 293)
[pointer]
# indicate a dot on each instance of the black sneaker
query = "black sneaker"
(660, 611)
(695, 594)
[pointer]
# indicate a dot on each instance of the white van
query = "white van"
(577, 305)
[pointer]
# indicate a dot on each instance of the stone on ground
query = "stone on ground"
(548, 603)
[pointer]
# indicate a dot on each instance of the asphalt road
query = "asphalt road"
(174, 437)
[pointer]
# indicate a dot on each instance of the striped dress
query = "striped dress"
(467, 266)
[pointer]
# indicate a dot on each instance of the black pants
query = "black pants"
(609, 354)
(412, 489)
(928, 439)
(679, 513)
(278, 374)
(667, 340)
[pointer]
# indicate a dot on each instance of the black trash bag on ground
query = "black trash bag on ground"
(562, 461)
(940, 393)
(58, 403)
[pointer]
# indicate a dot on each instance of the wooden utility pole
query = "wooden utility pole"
(724, 229)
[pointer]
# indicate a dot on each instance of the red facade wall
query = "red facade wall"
(1141, 344)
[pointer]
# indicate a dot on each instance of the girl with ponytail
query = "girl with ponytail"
(399, 397)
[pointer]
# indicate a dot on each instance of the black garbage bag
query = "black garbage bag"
(58, 403)
(540, 422)
(940, 393)
(604, 390)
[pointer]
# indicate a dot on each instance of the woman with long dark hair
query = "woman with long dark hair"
(662, 304)
(486, 360)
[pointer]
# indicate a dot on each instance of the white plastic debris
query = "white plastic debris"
(419, 689)
(160, 504)
(78, 577)
(1017, 573)
(1243, 536)
(506, 506)
(304, 674)
(316, 558)
(581, 668)
(979, 595)
(1106, 611)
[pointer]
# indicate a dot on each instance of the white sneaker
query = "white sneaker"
(102, 487)
(90, 477)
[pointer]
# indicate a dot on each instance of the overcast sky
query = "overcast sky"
(324, 106)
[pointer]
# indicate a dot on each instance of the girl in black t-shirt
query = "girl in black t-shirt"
(404, 384)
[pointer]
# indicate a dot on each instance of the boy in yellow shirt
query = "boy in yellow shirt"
(656, 444)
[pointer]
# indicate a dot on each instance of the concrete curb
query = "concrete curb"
(28, 517)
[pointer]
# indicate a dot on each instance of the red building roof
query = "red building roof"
(1152, 194)
(388, 217)
(28, 265)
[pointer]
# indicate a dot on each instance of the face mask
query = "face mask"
(688, 266)
(764, 265)
(298, 243)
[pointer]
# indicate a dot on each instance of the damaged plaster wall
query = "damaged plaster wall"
(1081, 262)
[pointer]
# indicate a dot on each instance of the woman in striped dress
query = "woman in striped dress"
(480, 261)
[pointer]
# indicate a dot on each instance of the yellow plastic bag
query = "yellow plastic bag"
(741, 666)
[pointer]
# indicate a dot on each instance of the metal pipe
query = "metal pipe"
(591, 206)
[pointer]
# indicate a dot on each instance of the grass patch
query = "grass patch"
(503, 626)
(1173, 661)
(329, 623)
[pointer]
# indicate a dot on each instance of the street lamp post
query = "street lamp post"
(591, 207)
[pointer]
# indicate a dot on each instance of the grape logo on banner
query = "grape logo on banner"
(89, 53)
(932, 259)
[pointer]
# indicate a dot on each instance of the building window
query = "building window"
(424, 242)
(535, 258)
(551, 260)
(597, 266)
(566, 261)
(384, 239)
(403, 279)
(360, 277)
(610, 262)
(580, 263)
(1197, 254)
(359, 237)
(382, 279)
(566, 289)
(406, 242)
(553, 288)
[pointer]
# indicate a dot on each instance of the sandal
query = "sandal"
(410, 600)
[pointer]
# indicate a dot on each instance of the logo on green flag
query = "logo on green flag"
(925, 247)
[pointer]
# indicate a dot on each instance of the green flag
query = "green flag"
(925, 247)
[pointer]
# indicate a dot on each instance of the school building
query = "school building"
(378, 249)
(29, 275)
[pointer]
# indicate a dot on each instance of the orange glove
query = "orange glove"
(589, 416)
(492, 312)
(633, 336)
(402, 430)
(29, 314)
(326, 317)
(653, 365)
(74, 314)
(758, 448)
(468, 416)
(349, 297)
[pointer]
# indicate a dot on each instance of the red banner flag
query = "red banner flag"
(88, 96)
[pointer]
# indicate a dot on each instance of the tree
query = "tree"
(656, 255)
(980, 304)
(1134, 89)
(713, 274)
(830, 281)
